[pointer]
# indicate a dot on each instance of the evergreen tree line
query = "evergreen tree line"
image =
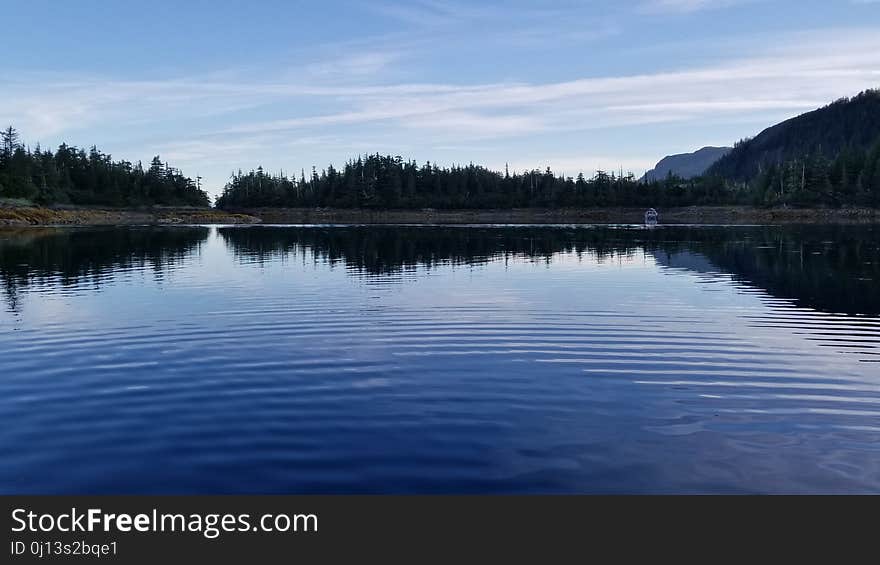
(828, 157)
(72, 175)
(382, 182)
(852, 178)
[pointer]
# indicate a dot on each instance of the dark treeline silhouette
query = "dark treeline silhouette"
(791, 262)
(829, 157)
(826, 158)
(383, 182)
(852, 177)
(70, 257)
(74, 176)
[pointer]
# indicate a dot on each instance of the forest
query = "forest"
(72, 175)
(846, 128)
(826, 158)
(829, 157)
(384, 182)
(851, 178)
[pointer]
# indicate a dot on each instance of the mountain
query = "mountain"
(686, 165)
(849, 123)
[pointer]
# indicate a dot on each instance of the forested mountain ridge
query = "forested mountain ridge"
(849, 124)
(71, 175)
(828, 157)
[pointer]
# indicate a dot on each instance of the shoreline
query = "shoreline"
(691, 215)
(25, 216)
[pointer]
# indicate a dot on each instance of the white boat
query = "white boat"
(651, 217)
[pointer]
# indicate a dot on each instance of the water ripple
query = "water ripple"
(476, 359)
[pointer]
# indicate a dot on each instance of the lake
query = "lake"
(466, 359)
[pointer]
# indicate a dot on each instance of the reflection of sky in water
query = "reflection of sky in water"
(227, 370)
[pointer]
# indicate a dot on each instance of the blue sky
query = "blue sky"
(576, 85)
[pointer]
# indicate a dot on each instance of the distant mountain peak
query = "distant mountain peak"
(686, 165)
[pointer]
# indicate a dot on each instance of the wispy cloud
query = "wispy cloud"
(425, 13)
(686, 6)
(547, 23)
(807, 76)
(437, 13)
(357, 64)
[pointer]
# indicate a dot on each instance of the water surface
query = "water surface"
(485, 359)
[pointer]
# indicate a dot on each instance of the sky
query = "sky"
(218, 86)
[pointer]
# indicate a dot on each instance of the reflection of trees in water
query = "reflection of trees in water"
(69, 257)
(829, 268)
(388, 249)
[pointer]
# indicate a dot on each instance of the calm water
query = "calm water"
(427, 359)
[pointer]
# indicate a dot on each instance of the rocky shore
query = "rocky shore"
(37, 216)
